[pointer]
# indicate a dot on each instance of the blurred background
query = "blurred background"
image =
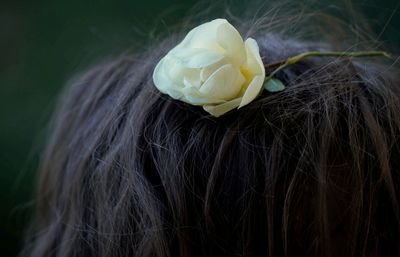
(44, 43)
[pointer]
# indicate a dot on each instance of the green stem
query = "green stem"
(297, 58)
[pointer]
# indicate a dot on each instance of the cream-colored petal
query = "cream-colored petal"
(190, 83)
(178, 73)
(161, 81)
(205, 36)
(198, 100)
(253, 62)
(173, 68)
(164, 83)
(225, 83)
(219, 109)
(253, 90)
(206, 72)
(185, 43)
(193, 96)
(231, 41)
(202, 59)
(195, 37)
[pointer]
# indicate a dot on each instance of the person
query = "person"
(310, 170)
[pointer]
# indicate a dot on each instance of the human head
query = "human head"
(309, 171)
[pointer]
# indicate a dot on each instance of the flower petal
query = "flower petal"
(253, 90)
(163, 82)
(197, 99)
(230, 40)
(218, 110)
(205, 35)
(206, 72)
(253, 62)
(195, 58)
(173, 68)
(225, 83)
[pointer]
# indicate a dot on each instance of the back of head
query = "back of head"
(309, 171)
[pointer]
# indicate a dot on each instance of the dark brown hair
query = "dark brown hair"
(313, 170)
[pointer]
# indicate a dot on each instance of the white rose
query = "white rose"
(212, 67)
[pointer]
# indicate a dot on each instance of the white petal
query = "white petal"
(253, 62)
(205, 35)
(197, 58)
(193, 96)
(185, 43)
(218, 110)
(206, 72)
(164, 83)
(231, 41)
(173, 68)
(253, 90)
(178, 73)
(225, 83)
(190, 83)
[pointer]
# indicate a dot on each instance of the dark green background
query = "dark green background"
(43, 43)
